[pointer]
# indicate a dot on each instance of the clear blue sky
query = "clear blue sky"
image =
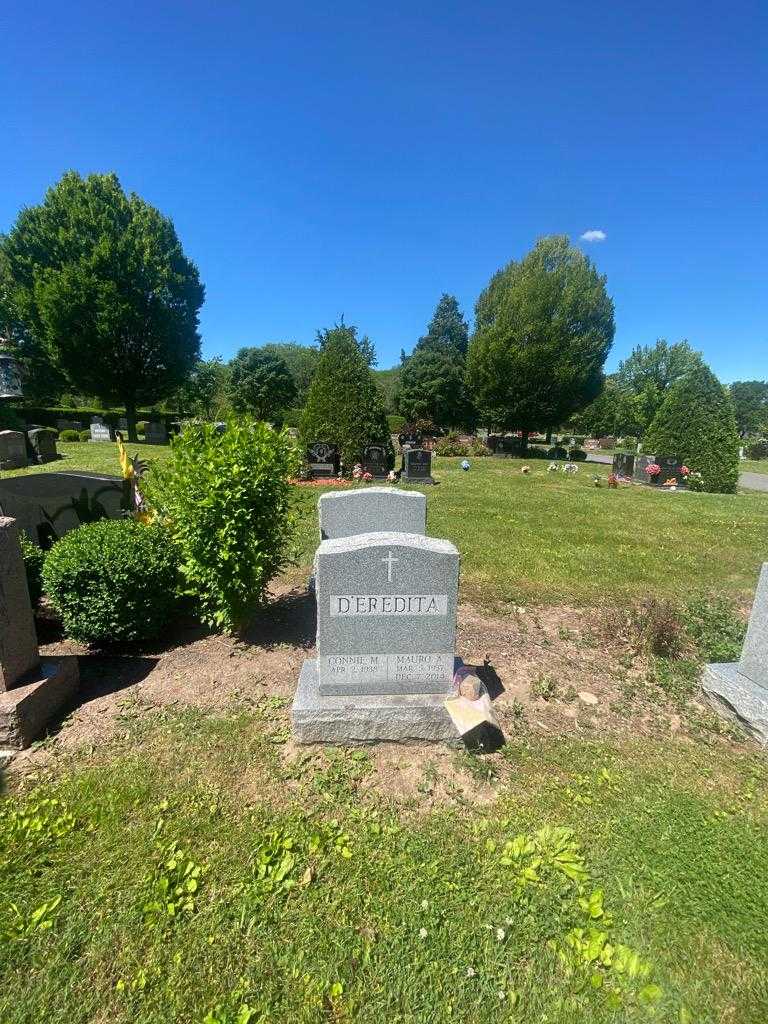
(320, 159)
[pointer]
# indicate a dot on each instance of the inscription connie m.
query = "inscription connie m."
(389, 604)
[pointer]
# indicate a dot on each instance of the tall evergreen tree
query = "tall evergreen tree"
(431, 384)
(100, 282)
(344, 405)
(544, 327)
(696, 423)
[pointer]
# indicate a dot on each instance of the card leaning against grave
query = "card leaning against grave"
(386, 614)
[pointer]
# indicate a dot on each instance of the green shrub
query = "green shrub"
(113, 581)
(757, 449)
(225, 498)
(451, 447)
(479, 449)
(629, 443)
(344, 405)
(292, 418)
(696, 423)
(577, 455)
(70, 435)
(557, 453)
(85, 435)
(34, 558)
(395, 423)
(141, 427)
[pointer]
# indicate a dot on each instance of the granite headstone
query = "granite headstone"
(43, 444)
(417, 466)
(101, 431)
(48, 505)
(13, 449)
(371, 510)
(155, 433)
(386, 614)
(323, 459)
(376, 461)
(739, 690)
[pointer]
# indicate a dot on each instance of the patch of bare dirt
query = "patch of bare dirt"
(553, 671)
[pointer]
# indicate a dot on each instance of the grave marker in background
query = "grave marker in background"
(13, 449)
(369, 510)
(417, 466)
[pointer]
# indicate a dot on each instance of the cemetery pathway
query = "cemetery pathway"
(751, 481)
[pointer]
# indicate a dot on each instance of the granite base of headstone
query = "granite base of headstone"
(32, 691)
(43, 444)
(13, 450)
(386, 631)
(669, 475)
(416, 466)
(739, 690)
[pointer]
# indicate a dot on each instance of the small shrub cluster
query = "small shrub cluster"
(85, 435)
(34, 557)
(112, 581)
(141, 427)
(757, 450)
(396, 423)
(225, 498)
(70, 435)
(451, 446)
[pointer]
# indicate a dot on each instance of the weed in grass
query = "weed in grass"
(544, 687)
(480, 767)
(715, 628)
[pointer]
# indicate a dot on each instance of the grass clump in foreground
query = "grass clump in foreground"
(600, 885)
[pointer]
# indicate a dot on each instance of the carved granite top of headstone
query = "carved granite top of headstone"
(48, 505)
(386, 614)
(370, 510)
(323, 458)
(754, 654)
(18, 640)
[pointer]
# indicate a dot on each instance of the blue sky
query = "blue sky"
(320, 159)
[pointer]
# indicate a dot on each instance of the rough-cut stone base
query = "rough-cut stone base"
(369, 719)
(27, 709)
(416, 479)
(735, 696)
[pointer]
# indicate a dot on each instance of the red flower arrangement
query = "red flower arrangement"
(684, 470)
(653, 469)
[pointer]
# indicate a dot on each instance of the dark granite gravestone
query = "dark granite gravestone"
(670, 469)
(48, 505)
(69, 425)
(13, 450)
(43, 444)
(417, 466)
(508, 447)
(376, 461)
(323, 459)
(410, 439)
(624, 465)
(156, 433)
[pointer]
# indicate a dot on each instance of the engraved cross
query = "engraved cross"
(390, 560)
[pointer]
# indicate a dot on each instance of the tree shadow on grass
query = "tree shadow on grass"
(291, 620)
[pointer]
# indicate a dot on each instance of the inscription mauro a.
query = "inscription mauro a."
(388, 604)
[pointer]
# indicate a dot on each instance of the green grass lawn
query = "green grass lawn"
(754, 466)
(552, 538)
(195, 873)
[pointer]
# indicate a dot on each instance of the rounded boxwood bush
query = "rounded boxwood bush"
(112, 581)
(557, 453)
(70, 435)
(577, 455)
(85, 435)
(141, 427)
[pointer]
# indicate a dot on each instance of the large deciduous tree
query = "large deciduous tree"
(345, 406)
(301, 360)
(646, 374)
(544, 327)
(260, 383)
(101, 283)
(750, 402)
